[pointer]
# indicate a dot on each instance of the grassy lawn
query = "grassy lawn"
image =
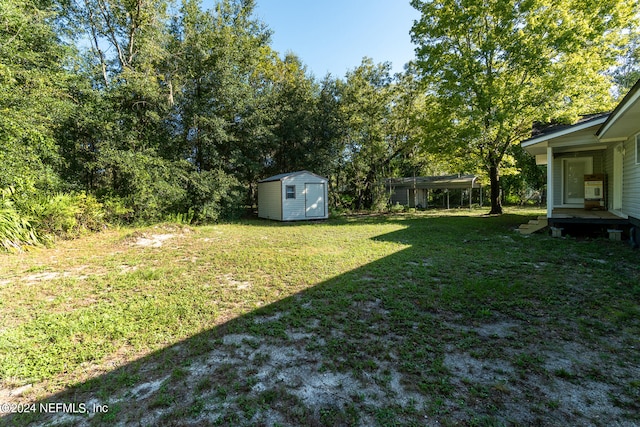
(437, 318)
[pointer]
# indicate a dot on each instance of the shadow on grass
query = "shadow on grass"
(458, 327)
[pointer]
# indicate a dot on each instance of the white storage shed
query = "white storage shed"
(294, 196)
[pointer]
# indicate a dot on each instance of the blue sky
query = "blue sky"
(334, 35)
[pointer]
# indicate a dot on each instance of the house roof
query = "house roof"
(546, 129)
(284, 176)
(615, 126)
(435, 182)
(561, 130)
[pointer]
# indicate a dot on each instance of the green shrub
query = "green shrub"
(148, 188)
(117, 211)
(91, 214)
(214, 196)
(16, 232)
(55, 215)
(397, 208)
(185, 218)
(67, 215)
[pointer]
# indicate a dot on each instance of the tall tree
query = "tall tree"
(365, 101)
(497, 66)
(629, 71)
(377, 111)
(294, 106)
(34, 96)
(120, 128)
(220, 89)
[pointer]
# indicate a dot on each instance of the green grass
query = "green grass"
(447, 316)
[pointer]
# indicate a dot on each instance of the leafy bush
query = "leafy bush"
(147, 188)
(67, 215)
(185, 218)
(397, 208)
(116, 210)
(16, 232)
(91, 214)
(54, 215)
(214, 196)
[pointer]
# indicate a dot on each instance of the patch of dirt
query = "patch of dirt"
(158, 237)
(75, 273)
(280, 380)
(499, 329)
(229, 280)
(465, 367)
(154, 240)
(145, 390)
(243, 370)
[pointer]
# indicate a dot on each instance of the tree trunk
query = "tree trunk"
(494, 177)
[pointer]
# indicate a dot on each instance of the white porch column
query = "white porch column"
(549, 182)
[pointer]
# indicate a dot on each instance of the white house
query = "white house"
(293, 196)
(593, 166)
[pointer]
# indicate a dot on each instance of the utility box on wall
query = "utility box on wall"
(594, 192)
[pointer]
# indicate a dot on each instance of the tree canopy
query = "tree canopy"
(495, 67)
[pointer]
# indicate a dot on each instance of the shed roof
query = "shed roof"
(436, 182)
(283, 176)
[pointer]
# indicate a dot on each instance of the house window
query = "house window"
(637, 149)
(291, 191)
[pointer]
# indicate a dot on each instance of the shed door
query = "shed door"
(314, 200)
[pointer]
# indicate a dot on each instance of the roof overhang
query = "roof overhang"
(575, 138)
(623, 122)
(566, 132)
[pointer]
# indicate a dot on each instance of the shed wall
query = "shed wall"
(295, 209)
(270, 200)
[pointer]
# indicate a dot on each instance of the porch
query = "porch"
(580, 220)
(593, 222)
(583, 216)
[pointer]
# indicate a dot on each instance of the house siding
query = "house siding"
(420, 198)
(269, 200)
(631, 180)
